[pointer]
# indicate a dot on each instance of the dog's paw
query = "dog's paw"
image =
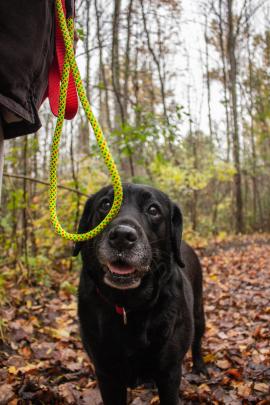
(200, 368)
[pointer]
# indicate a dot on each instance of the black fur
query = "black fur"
(164, 313)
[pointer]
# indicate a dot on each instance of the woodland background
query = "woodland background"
(129, 54)
(182, 92)
(133, 54)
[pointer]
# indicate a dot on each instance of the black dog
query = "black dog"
(140, 294)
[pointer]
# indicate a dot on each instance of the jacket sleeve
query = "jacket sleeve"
(70, 7)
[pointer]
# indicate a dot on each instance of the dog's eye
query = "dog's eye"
(105, 205)
(153, 210)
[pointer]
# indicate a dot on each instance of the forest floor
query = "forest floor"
(42, 360)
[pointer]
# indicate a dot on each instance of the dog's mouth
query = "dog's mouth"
(121, 275)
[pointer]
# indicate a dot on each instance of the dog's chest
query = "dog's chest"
(147, 332)
(137, 351)
(142, 341)
(135, 334)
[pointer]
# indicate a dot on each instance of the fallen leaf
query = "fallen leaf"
(244, 390)
(6, 394)
(233, 372)
(204, 388)
(69, 393)
(262, 387)
(223, 364)
(91, 397)
(209, 358)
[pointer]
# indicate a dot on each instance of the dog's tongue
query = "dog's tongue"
(123, 269)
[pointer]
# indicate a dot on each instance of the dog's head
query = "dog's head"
(145, 235)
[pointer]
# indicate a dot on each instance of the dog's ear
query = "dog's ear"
(84, 224)
(176, 233)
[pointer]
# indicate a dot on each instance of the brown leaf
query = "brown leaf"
(68, 392)
(6, 394)
(8, 313)
(223, 364)
(222, 335)
(262, 387)
(91, 396)
(28, 369)
(44, 350)
(16, 361)
(204, 388)
(244, 390)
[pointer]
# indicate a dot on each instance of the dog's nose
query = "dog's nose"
(123, 237)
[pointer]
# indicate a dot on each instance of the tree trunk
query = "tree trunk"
(194, 200)
(87, 66)
(1, 156)
(102, 68)
(255, 190)
(208, 79)
(127, 59)
(135, 83)
(119, 110)
(24, 210)
(225, 81)
(85, 126)
(233, 93)
(157, 63)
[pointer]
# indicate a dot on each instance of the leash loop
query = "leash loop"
(67, 28)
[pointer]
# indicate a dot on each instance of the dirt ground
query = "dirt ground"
(42, 360)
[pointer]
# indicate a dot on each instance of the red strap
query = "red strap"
(55, 74)
(119, 310)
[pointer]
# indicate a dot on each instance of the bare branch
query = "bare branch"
(45, 183)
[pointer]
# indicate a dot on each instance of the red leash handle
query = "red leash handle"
(55, 75)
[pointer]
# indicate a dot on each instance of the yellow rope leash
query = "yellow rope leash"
(67, 29)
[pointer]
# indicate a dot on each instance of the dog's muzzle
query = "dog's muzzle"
(125, 255)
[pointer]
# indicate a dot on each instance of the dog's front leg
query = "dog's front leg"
(168, 387)
(113, 391)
